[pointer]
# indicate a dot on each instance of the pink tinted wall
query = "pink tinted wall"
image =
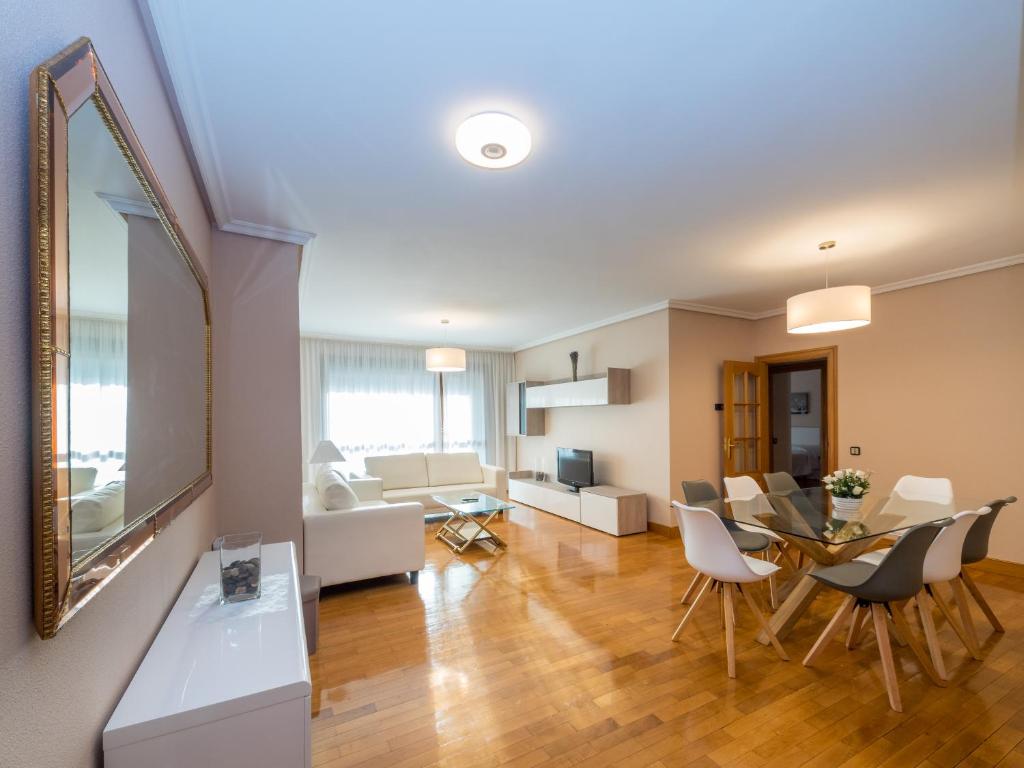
(932, 387)
(258, 449)
(59, 693)
(697, 345)
(630, 442)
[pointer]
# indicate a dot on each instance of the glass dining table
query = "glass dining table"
(807, 521)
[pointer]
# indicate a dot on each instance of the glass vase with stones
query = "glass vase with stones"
(240, 567)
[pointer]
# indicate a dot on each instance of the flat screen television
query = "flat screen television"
(575, 468)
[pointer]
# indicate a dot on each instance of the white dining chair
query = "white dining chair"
(711, 550)
(942, 565)
(912, 487)
(744, 488)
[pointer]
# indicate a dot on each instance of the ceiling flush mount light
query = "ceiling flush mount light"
(446, 359)
(829, 309)
(493, 140)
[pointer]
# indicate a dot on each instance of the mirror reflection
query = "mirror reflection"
(136, 401)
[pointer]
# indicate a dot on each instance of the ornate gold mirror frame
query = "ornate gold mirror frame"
(57, 89)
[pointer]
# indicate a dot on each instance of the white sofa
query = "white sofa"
(369, 540)
(418, 476)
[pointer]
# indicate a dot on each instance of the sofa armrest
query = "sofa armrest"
(498, 477)
(363, 543)
(368, 488)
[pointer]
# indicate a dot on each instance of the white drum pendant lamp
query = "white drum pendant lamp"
(446, 359)
(829, 309)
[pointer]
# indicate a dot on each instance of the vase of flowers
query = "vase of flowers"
(848, 488)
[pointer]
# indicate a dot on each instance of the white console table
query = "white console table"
(222, 685)
(613, 510)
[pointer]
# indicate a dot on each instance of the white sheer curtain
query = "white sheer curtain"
(374, 399)
(99, 394)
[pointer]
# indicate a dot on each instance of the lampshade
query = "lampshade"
(325, 453)
(493, 140)
(829, 309)
(446, 359)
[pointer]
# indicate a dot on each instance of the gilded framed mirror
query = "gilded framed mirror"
(122, 381)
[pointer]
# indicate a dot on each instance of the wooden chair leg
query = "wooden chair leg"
(931, 637)
(968, 581)
(693, 608)
(830, 631)
(784, 554)
(965, 616)
(853, 635)
(892, 685)
(764, 623)
(947, 612)
(730, 630)
(692, 589)
(773, 601)
(897, 632)
(900, 619)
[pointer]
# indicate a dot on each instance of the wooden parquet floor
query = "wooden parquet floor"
(557, 652)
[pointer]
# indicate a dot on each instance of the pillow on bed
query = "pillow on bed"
(334, 492)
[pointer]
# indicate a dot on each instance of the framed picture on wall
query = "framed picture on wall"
(799, 402)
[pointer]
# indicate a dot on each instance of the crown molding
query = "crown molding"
(163, 19)
(640, 312)
(128, 205)
(951, 274)
(281, 234)
(914, 282)
(421, 345)
(709, 309)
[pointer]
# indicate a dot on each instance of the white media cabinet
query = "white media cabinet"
(604, 507)
(222, 685)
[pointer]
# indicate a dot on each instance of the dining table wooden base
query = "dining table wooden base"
(805, 588)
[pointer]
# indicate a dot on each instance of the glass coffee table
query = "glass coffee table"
(469, 514)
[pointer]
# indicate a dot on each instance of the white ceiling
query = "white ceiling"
(686, 151)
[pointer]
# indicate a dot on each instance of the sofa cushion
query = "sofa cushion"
(403, 470)
(334, 492)
(82, 479)
(98, 508)
(452, 468)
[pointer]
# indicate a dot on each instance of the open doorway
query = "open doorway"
(780, 415)
(797, 423)
(801, 413)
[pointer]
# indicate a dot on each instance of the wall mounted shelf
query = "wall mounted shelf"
(521, 421)
(608, 388)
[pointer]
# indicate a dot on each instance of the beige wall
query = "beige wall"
(630, 442)
(58, 694)
(256, 398)
(933, 387)
(698, 344)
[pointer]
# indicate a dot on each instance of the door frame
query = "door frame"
(830, 355)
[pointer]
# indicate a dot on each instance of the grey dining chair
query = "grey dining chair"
(701, 493)
(882, 588)
(976, 550)
(783, 484)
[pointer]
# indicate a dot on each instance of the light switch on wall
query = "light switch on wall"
(855, 450)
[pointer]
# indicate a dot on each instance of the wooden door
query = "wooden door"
(745, 426)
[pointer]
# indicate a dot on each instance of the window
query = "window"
(376, 399)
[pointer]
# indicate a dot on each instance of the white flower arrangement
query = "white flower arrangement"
(848, 483)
